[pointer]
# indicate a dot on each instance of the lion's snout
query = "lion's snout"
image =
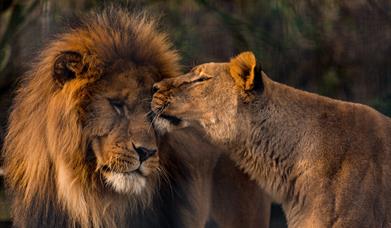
(144, 153)
(121, 164)
(124, 159)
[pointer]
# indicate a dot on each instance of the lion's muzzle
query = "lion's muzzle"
(144, 153)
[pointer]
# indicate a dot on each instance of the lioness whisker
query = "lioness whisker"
(157, 114)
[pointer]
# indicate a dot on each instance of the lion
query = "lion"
(80, 150)
(326, 161)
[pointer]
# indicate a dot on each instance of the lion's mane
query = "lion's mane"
(40, 124)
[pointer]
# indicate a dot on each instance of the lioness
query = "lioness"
(326, 161)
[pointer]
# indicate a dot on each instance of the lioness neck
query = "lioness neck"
(271, 137)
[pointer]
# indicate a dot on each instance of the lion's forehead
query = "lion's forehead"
(126, 86)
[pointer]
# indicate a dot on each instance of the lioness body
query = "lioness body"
(80, 150)
(326, 161)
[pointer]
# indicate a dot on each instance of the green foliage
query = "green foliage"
(383, 104)
(5, 53)
(330, 83)
(14, 19)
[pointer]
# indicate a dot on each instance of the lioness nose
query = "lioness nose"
(156, 87)
(144, 153)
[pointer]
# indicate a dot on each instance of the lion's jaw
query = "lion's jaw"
(135, 181)
(79, 188)
(132, 183)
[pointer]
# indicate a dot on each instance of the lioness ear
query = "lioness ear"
(242, 69)
(68, 66)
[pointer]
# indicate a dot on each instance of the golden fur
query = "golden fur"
(326, 161)
(76, 120)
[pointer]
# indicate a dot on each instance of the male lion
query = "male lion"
(326, 161)
(80, 151)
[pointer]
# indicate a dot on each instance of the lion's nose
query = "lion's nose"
(144, 153)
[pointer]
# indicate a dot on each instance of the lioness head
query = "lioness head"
(208, 96)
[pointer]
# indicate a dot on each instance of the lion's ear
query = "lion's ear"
(68, 66)
(242, 69)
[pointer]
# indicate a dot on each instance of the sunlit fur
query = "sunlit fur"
(51, 182)
(326, 161)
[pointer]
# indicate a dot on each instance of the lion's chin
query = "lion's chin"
(126, 183)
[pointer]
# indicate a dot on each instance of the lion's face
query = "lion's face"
(120, 143)
(121, 137)
(208, 96)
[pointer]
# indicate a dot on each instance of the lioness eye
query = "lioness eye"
(201, 79)
(118, 106)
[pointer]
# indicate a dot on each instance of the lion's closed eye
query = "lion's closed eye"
(118, 106)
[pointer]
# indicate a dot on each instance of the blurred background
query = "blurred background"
(337, 48)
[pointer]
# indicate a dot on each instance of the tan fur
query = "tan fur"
(326, 161)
